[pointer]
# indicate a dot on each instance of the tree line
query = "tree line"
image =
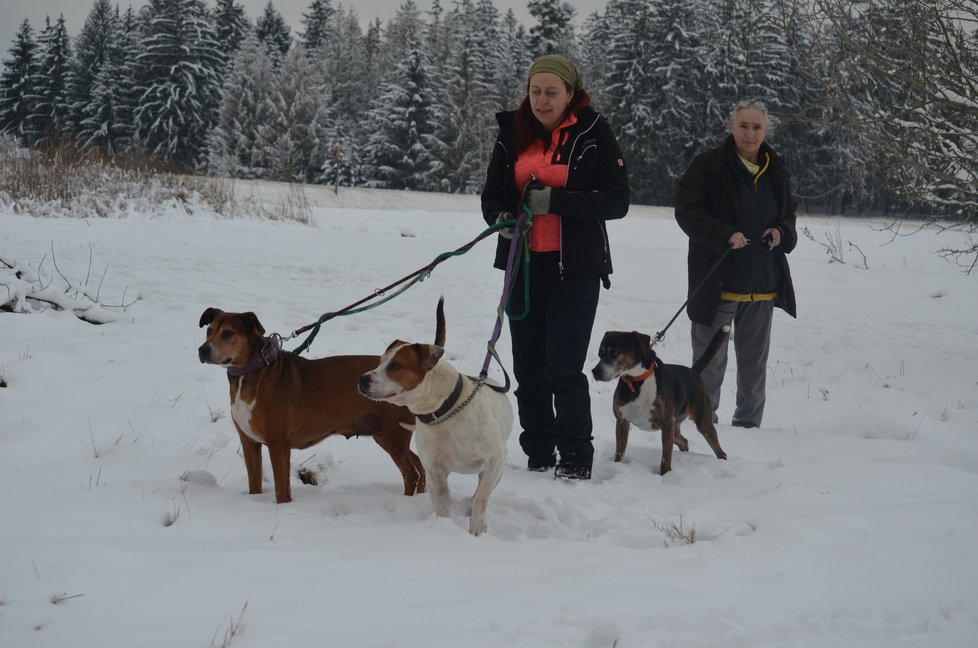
(410, 104)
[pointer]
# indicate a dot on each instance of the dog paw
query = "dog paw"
(477, 527)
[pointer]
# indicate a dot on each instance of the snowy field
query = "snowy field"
(849, 519)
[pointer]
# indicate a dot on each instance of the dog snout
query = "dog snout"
(204, 352)
(364, 384)
(598, 372)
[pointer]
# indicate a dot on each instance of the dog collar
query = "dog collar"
(445, 406)
(446, 410)
(267, 355)
(631, 381)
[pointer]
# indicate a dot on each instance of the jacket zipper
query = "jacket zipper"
(570, 167)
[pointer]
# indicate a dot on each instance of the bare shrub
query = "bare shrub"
(66, 182)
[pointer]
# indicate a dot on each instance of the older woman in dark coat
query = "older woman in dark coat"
(737, 196)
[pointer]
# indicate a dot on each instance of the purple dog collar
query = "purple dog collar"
(267, 355)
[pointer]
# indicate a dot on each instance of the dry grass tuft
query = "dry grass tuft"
(676, 533)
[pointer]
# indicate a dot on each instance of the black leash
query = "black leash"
(661, 334)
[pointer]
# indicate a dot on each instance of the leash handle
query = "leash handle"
(661, 334)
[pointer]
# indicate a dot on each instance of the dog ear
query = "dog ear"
(250, 321)
(208, 316)
(643, 341)
(429, 354)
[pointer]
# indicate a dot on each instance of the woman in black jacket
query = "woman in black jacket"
(560, 157)
(737, 196)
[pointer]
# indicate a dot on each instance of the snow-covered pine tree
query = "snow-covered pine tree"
(817, 156)
(401, 149)
(274, 32)
(681, 126)
(768, 58)
(89, 56)
(17, 82)
(402, 35)
(501, 59)
(296, 140)
(725, 29)
(593, 60)
(514, 61)
(437, 46)
(246, 111)
(106, 119)
(231, 26)
(436, 43)
(469, 100)
(178, 80)
(351, 74)
(49, 118)
(632, 89)
(318, 24)
(553, 32)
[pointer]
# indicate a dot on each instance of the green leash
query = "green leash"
(522, 263)
(415, 277)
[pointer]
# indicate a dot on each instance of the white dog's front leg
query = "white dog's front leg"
(488, 479)
(441, 497)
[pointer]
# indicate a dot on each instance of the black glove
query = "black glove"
(538, 200)
(505, 232)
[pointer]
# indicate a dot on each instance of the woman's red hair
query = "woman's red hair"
(529, 129)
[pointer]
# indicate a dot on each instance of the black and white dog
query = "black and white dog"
(657, 396)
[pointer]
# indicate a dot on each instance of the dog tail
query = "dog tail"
(440, 323)
(719, 339)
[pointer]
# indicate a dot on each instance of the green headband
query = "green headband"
(556, 64)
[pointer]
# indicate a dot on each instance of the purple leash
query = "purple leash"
(514, 245)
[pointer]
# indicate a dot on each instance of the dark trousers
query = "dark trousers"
(549, 351)
(752, 342)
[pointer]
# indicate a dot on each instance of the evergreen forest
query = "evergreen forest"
(874, 101)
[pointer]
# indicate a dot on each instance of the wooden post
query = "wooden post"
(337, 161)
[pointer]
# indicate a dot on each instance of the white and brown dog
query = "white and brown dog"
(657, 396)
(462, 425)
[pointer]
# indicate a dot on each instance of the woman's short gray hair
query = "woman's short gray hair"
(753, 104)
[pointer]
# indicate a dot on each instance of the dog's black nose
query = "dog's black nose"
(364, 384)
(204, 352)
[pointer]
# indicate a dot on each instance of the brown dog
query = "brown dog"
(285, 401)
(657, 396)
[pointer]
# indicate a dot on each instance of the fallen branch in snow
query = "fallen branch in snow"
(60, 598)
(29, 291)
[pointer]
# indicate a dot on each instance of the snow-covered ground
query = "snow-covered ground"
(849, 519)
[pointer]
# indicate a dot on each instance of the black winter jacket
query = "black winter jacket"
(707, 205)
(596, 191)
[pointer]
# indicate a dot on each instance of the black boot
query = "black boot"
(573, 468)
(541, 463)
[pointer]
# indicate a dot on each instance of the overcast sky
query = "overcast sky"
(13, 12)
